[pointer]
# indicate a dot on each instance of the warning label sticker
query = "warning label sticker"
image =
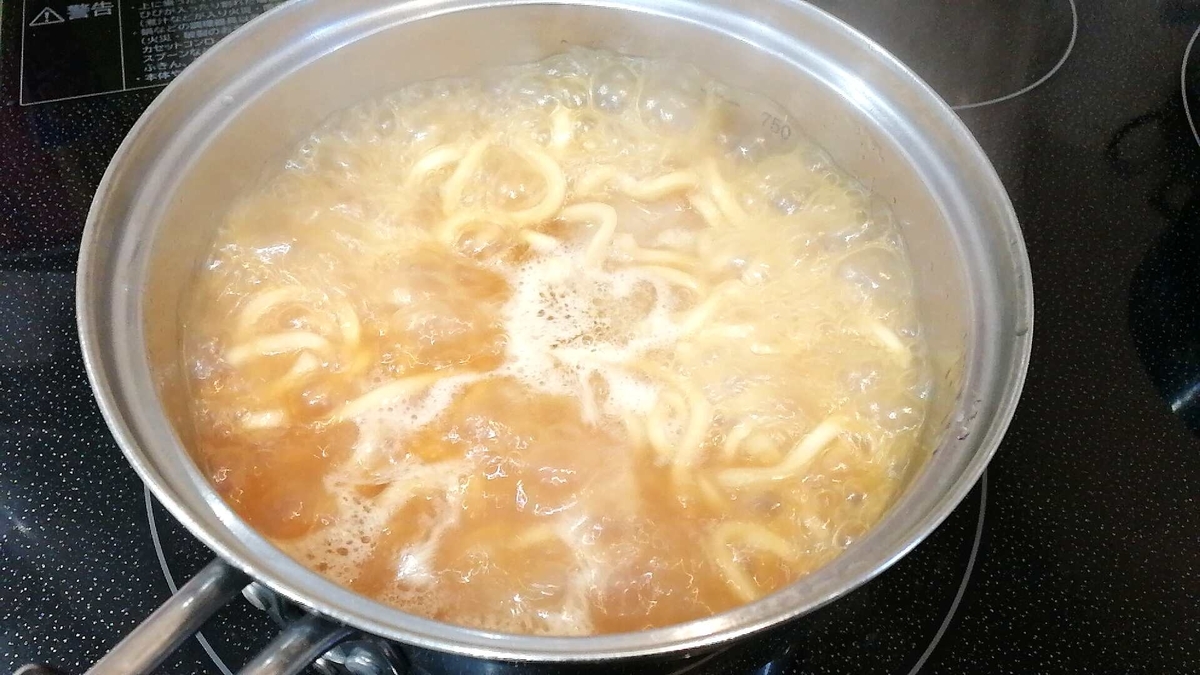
(74, 49)
(46, 17)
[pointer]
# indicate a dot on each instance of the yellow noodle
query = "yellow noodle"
(700, 413)
(734, 439)
(434, 160)
(735, 577)
(758, 537)
(398, 389)
(712, 495)
(759, 446)
(452, 189)
(278, 343)
(707, 210)
(260, 305)
(659, 187)
(657, 422)
(722, 194)
(361, 362)
(555, 190)
(482, 236)
(540, 242)
(595, 179)
(451, 229)
(265, 419)
(684, 398)
(752, 536)
(605, 219)
(348, 324)
(799, 457)
(305, 366)
(560, 128)
(674, 276)
(587, 401)
(635, 429)
(646, 190)
(763, 349)
(833, 262)
(888, 338)
(535, 536)
(692, 320)
(652, 256)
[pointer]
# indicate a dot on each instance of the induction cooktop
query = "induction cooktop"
(1077, 552)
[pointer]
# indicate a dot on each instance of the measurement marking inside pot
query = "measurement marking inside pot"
(962, 586)
(1040, 81)
(166, 570)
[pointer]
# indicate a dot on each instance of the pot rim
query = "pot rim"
(256, 556)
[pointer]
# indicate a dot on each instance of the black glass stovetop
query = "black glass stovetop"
(1077, 552)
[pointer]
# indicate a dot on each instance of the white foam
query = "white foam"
(416, 564)
(344, 545)
(626, 393)
(418, 591)
(566, 320)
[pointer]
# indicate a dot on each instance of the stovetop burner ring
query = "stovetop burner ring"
(170, 578)
(966, 579)
(1041, 80)
(1183, 85)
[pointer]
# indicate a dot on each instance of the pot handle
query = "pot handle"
(175, 621)
(183, 614)
(297, 646)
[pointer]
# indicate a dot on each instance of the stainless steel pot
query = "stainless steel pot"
(255, 94)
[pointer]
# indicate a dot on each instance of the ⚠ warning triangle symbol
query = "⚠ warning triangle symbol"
(46, 17)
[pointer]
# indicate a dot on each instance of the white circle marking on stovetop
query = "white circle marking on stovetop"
(166, 570)
(1187, 109)
(962, 586)
(1040, 81)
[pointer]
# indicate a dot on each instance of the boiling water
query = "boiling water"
(589, 345)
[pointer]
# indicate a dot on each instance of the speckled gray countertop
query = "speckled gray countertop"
(1079, 550)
